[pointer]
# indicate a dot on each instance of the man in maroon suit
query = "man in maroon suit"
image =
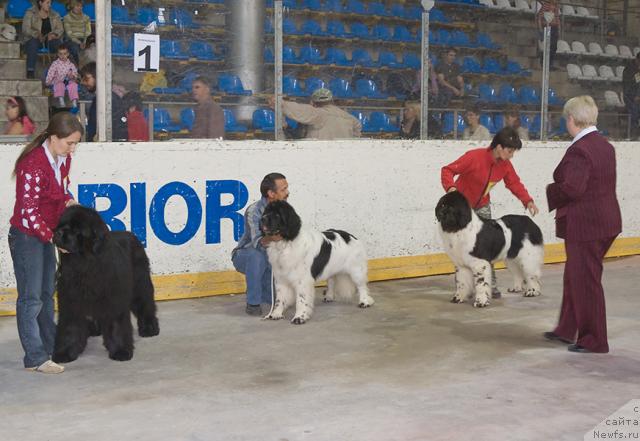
(588, 219)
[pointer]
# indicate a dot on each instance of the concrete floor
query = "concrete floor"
(413, 367)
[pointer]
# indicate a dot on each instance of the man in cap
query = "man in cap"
(324, 119)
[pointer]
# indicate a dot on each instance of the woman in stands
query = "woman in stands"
(18, 121)
(512, 119)
(42, 27)
(410, 125)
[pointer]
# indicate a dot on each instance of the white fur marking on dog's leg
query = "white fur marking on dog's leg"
(284, 298)
(482, 282)
(516, 271)
(304, 302)
(330, 292)
(464, 285)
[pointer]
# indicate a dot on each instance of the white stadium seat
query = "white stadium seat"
(504, 4)
(568, 10)
(523, 5)
(619, 71)
(611, 50)
(636, 51)
(581, 11)
(574, 71)
(625, 51)
(589, 72)
(606, 73)
(577, 47)
(595, 49)
(612, 99)
(563, 47)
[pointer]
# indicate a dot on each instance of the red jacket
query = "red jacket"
(584, 191)
(478, 172)
(40, 200)
(137, 127)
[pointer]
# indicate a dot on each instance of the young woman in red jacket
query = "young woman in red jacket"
(42, 181)
(479, 170)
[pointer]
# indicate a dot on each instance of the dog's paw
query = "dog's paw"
(457, 299)
(149, 329)
(531, 293)
(273, 316)
(515, 289)
(298, 321)
(481, 303)
(366, 302)
(121, 355)
(327, 297)
(63, 357)
(327, 300)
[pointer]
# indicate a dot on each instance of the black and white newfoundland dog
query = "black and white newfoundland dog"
(103, 276)
(473, 244)
(304, 256)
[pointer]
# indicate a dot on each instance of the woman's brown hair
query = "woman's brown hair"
(62, 124)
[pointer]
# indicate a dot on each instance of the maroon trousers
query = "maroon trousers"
(583, 317)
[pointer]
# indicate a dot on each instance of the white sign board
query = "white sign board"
(146, 52)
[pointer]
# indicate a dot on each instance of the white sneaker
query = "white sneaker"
(48, 367)
(61, 102)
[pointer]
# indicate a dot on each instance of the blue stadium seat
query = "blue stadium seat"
(487, 93)
(461, 39)
(507, 94)
(448, 123)
(360, 30)
(355, 7)
(534, 126)
(182, 19)
(264, 120)
(169, 90)
(381, 32)
(289, 56)
(120, 15)
(340, 88)
(377, 8)
(402, 33)
(487, 120)
(411, 60)
(492, 66)
(337, 56)
(368, 89)
(172, 49)
(529, 95)
(413, 13)
(268, 55)
(498, 121)
(187, 81)
(471, 65)
(484, 40)
(89, 9)
(187, 117)
(554, 99)
(362, 57)
(202, 50)
(333, 6)
(313, 5)
(268, 26)
(382, 121)
(337, 29)
(290, 123)
(291, 86)
(312, 84)
(119, 48)
(364, 121)
(397, 10)
(437, 16)
(231, 125)
(311, 55)
(525, 120)
(311, 27)
(59, 8)
(291, 4)
(444, 37)
(162, 120)
(146, 16)
(289, 27)
(232, 85)
(386, 58)
(17, 8)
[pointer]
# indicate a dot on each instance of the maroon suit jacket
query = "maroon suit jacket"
(584, 191)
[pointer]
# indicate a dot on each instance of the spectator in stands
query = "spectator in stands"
(449, 79)
(583, 193)
(137, 127)
(512, 119)
(118, 111)
(479, 170)
(250, 256)
(209, 118)
(324, 119)
(41, 27)
(544, 9)
(62, 75)
(410, 124)
(88, 55)
(18, 121)
(631, 93)
(77, 28)
(474, 130)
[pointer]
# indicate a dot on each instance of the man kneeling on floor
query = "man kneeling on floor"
(250, 256)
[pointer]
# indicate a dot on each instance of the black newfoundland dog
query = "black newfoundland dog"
(102, 277)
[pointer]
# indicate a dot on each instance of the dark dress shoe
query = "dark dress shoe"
(578, 348)
(496, 294)
(552, 336)
(253, 310)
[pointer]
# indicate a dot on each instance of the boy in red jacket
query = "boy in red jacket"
(479, 170)
(137, 127)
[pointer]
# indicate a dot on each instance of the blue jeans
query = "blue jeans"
(254, 264)
(34, 264)
(33, 45)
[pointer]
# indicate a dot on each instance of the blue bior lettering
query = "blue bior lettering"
(157, 208)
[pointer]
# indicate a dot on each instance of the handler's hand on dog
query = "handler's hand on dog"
(71, 202)
(266, 240)
(452, 189)
(533, 209)
(63, 251)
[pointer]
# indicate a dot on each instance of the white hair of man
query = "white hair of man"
(583, 110)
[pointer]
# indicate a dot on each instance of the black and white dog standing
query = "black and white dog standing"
(473, 243)
(304, 256)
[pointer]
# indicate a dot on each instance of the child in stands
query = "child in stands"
(62, 75)
(18, 121)
(137, 127)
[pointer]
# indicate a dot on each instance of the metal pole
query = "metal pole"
(103, 70)
(424, 78)
(150, 112)
(544, 99)
(279, 131)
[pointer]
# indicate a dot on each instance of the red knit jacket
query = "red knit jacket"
(474, 182)
(40, 200)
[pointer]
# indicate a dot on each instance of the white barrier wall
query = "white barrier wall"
(384, 192)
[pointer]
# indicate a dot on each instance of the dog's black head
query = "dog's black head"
(453, 212)
(280, 218)
(81, 230)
